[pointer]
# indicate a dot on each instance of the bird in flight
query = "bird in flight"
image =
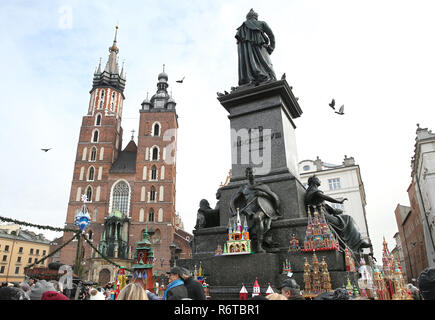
(181, 81)
(45, 150)
(332, 104)
(341, 111)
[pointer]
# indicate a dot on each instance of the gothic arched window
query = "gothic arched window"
(91, 174)
(95, 136)
(155, 154)
(151, 215)
(98, 120)
(156, 130)
(153, 194)
(153, 173)
(120, 197)
(89, 193)
(93, 154)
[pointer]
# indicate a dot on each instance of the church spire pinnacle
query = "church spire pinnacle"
(114, 48)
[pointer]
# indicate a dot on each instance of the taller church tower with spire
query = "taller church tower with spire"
(127, 190)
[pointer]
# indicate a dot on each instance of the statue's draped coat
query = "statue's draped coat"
(253, 38)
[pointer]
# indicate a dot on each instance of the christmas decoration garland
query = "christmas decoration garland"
(36, 225)
(104, 257)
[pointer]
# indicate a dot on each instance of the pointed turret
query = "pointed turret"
(256, 288)
(243, 295)
(110, 76)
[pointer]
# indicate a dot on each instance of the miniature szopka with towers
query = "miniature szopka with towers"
(238, 237)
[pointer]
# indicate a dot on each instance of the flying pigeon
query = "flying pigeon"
(45, 150)
(332, 104)
(181, 81)
(341, 111)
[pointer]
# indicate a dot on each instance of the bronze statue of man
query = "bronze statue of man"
(255, 43)
(260, 205)
(343, 224)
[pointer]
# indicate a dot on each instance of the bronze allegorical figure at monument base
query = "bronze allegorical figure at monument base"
(260, 205)
(343, 224)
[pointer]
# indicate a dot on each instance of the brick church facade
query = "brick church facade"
(127, 189)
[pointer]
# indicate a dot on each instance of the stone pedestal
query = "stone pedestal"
(263, 137)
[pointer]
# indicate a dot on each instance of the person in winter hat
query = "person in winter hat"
(40, 287)
(53, 295)
(194, 288)
(176, 289)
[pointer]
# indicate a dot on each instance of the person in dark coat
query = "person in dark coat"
(291, 290)
(193, 286)
(426, 283)
(175, 289)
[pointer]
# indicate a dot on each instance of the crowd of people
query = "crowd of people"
(183, 286)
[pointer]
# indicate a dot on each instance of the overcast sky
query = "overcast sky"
(375, 57)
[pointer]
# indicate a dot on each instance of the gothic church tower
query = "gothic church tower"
(127, 190)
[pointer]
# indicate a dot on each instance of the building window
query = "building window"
(141, 215)
(162, 173)
(93, 154)
(20, 250)
(2, 269)
(155, 154)
(120, 197)
(153, 194)
(151, 215)
(5, 257)
(6, 248)
(334, 184)
(30, 260)
(18, 259)
(156, 130)
(91, 174)
(44, 252)
(17, 270)
(154, 173)
(89, 193)
(102, 93)
(90, 235)
(31, 251)
(101, 104)
(94, 218)
(37, 251)
(306, 168)
(98, 120)
(95, 136)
